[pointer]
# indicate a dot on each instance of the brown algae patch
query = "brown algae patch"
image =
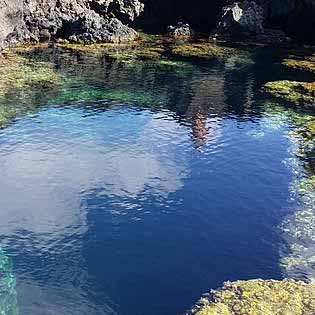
(294, 92)
(259, 297)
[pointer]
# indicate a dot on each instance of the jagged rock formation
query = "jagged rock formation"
(246, 20)
(77, 20)
(246, 17)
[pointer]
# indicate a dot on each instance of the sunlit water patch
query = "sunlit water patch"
(133, 188)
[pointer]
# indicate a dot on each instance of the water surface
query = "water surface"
(134, 188)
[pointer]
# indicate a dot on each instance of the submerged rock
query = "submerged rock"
(8, 295)
(259, 297)
(24, 84)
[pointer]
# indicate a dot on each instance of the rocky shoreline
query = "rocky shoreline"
(114, 21)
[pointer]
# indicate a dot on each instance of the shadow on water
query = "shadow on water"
(135, 187)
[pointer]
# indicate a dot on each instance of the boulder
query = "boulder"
(79, 20)
(181, 31)
(242, 18)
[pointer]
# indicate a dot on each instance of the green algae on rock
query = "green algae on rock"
(204, 50)
(294, 92)
(19, 78)
(259, 297)
(8, 294)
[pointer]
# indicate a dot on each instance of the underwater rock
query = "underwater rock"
(297, 229)
(24, 85)
(258, 297)
(8, 294)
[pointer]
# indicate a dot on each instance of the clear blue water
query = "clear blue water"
(159, 185)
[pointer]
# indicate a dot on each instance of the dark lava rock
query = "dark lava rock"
(80, 20)
(242, 18)
(246, 21)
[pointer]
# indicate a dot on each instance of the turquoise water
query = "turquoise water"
(134, 188)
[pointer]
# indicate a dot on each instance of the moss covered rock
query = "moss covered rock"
(298, 93)
(305, 63)
(259, 297)
(200, 50)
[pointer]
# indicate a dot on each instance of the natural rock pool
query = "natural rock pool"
(133, 187)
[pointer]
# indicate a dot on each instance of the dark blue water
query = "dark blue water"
(134, 189)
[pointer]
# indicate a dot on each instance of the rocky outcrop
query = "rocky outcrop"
(81, 20)
(76, 20)
(242, 18)
(246, 20)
